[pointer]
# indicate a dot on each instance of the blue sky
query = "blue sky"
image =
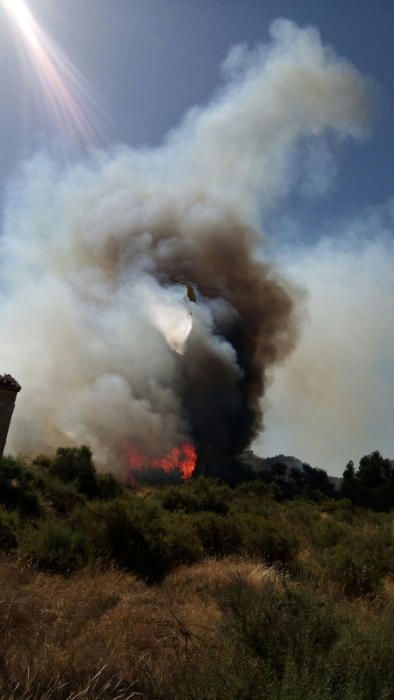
(150, 61)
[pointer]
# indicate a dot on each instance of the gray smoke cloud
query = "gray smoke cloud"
(93, 324)
(333, 400)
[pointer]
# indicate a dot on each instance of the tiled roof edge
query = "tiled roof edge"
(8, 382)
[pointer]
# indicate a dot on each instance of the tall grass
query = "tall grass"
(218, 629)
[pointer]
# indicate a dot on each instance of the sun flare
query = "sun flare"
(19, 12)
(65, 92)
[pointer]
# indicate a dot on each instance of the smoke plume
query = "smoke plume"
(94, 257)
(333, 399)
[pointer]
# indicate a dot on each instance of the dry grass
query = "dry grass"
(204, 578)
(108, 635)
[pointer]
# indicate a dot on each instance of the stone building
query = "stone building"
(9, 388)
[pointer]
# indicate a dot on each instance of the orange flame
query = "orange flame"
(182, 458)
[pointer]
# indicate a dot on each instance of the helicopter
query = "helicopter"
(191, 287)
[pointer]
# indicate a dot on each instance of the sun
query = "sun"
(64, 90)
(22, 16)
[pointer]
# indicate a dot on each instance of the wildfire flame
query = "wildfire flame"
(182, 458)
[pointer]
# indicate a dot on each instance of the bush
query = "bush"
(343, 510)
(130, 533)
(220, 535)
(354, 572)
(268, 541)
(107, 487)
(8, 538)
(57, 548)
(74, 464)
(251, 490)
(185, 545)
(62, 497)
(327, 533)
(363, 557)
(198, 495)
(16, 490)
(272, 622)
(286, 643)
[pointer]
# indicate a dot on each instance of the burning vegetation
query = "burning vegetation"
(179, 462)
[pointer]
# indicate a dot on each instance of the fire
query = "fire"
(182, 458)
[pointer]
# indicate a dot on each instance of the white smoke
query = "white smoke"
(85, 326)
(333, 400)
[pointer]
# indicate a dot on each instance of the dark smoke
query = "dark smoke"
(221, 400)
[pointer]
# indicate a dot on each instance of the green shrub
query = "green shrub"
(198, 495)
(42, 461)
(272, 622)
(274, 543)
(286, 643)
(343, 510)
(129, 532)
(356, 575)
(8, 538)
(185, 545)
(57, 548)
(327, 533)
(108, 487)
(251, 490)
(28, 504)
(220, 535)
(74, 464)
(62, 497)
(363, 557)
(16, 491)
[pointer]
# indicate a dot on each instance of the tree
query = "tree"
(372, 486)
(310, 480)
(374, 470)
(349, 483)
(75, 464)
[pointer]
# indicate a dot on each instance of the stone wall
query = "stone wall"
(8, 392)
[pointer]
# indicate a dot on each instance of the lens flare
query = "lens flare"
(64, 89)
(18, 10)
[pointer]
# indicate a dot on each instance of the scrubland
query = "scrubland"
(194, 591)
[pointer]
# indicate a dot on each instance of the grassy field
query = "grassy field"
(196, 591)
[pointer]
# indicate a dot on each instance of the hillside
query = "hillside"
(195, 591)
(261, 464)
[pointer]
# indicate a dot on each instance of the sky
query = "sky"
(145, 63)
